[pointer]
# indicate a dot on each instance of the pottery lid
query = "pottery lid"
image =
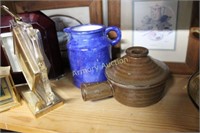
(137, 69)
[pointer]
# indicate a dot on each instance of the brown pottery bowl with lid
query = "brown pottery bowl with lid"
(135, 79)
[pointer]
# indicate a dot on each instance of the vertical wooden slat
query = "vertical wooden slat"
(193, 45)
(96, 15)
(114, 9)
(195, 14)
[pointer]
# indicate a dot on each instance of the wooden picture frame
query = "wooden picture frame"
(191, 64)
(95, 7)
(9, 97)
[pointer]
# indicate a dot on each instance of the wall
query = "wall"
(80, 13)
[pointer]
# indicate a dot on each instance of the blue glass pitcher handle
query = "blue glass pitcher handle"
(117, 30)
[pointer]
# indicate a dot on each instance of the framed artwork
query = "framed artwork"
(8, 58)
(7, 44)
(182, 56)
(9, 97)
(5, 96)
(154, 27)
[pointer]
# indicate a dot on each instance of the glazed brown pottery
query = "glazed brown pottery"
(136, 79)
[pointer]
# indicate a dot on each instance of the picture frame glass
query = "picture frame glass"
(7, 43)
(177, 51)
(5, 95)
(155, 25)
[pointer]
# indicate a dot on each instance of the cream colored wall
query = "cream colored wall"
(183, 23)
(80, 13)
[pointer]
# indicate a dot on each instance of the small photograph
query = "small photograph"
(5, 96)
(8, 94)
(2, 92)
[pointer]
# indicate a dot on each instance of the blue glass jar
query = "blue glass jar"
(89, 51)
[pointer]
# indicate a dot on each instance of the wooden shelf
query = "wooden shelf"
(175, 112)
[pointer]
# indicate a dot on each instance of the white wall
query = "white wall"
(80, 13)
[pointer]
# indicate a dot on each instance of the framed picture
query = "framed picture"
(182, 56)
(5, 95)
(8, 58)
(154, 27)
(7, 44)
(9, 97)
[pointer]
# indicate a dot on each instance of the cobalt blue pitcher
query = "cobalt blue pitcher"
(89, 51)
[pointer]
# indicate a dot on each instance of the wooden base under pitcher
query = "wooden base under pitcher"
(135, 80)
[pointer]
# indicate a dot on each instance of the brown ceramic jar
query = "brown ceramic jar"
(136, 79)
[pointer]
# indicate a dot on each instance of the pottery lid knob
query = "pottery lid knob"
(137, 52)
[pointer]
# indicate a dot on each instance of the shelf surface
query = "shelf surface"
(174, 112)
